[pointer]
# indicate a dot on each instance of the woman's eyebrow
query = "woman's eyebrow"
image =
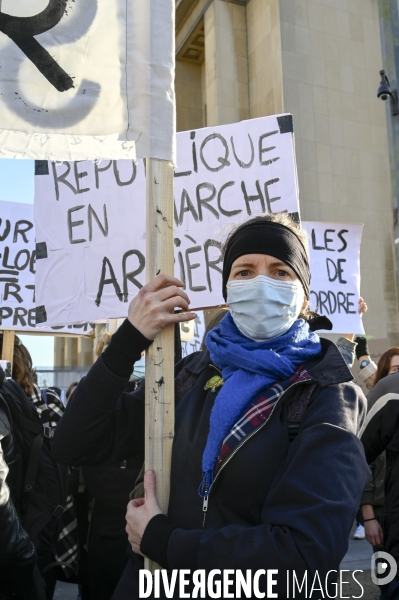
(243, 265)
(279, 263)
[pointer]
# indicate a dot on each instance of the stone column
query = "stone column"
(59, 351)
(85, 352)
(264, 57)
(71, 352)
(226, 64)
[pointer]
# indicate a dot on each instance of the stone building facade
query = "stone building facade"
(389, 29)
(320, 61)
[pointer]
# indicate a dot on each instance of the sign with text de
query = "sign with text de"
(335, 268)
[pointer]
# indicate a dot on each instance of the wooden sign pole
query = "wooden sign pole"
(7, 352)
(159, 373)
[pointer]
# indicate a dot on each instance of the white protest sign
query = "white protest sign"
(87, 79)
(226, 175)
(90, 217)
(192, 334)
(17, 272)
(335, 268)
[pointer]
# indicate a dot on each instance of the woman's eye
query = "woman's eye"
(281, 273)
(243, 273)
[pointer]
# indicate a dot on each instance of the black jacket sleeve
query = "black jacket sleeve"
(17, 553)
(101, 424)
(110, 483)
(381, 428)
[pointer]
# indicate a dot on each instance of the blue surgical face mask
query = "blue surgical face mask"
(263, 308)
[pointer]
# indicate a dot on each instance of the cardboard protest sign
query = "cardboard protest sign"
(17, 272)
(90, 217)
(335, 268)
(86, 80)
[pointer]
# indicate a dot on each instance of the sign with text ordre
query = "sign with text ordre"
(87, 79)
(90, 217)
(335, 268)
(17, 272)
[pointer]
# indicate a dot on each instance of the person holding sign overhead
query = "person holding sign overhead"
(267, 470)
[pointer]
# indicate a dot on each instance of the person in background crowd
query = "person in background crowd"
(50, 409)
(380, 438)
(381, 433)
(19, 577)
(109, 485)
(351, 348)
(82, 502)
(272, 506)
(366, 374)
(68, 561)
(388, 364)
(60, 393)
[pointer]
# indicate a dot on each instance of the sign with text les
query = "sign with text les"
(335, 268)
(87, 79)
(17, 272)
(90, 217)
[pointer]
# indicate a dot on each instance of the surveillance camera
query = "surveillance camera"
(384, 91)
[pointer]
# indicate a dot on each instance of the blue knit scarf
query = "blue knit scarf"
(248, 368)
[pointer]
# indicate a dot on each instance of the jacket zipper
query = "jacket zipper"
(205, 504)
(205, 508)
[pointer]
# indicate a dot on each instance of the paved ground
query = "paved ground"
(65, 591)
(358, 557)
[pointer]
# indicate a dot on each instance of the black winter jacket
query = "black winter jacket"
(381, 432)
(275, 505)
(17, 553)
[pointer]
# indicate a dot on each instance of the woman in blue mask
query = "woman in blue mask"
(267, 470)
